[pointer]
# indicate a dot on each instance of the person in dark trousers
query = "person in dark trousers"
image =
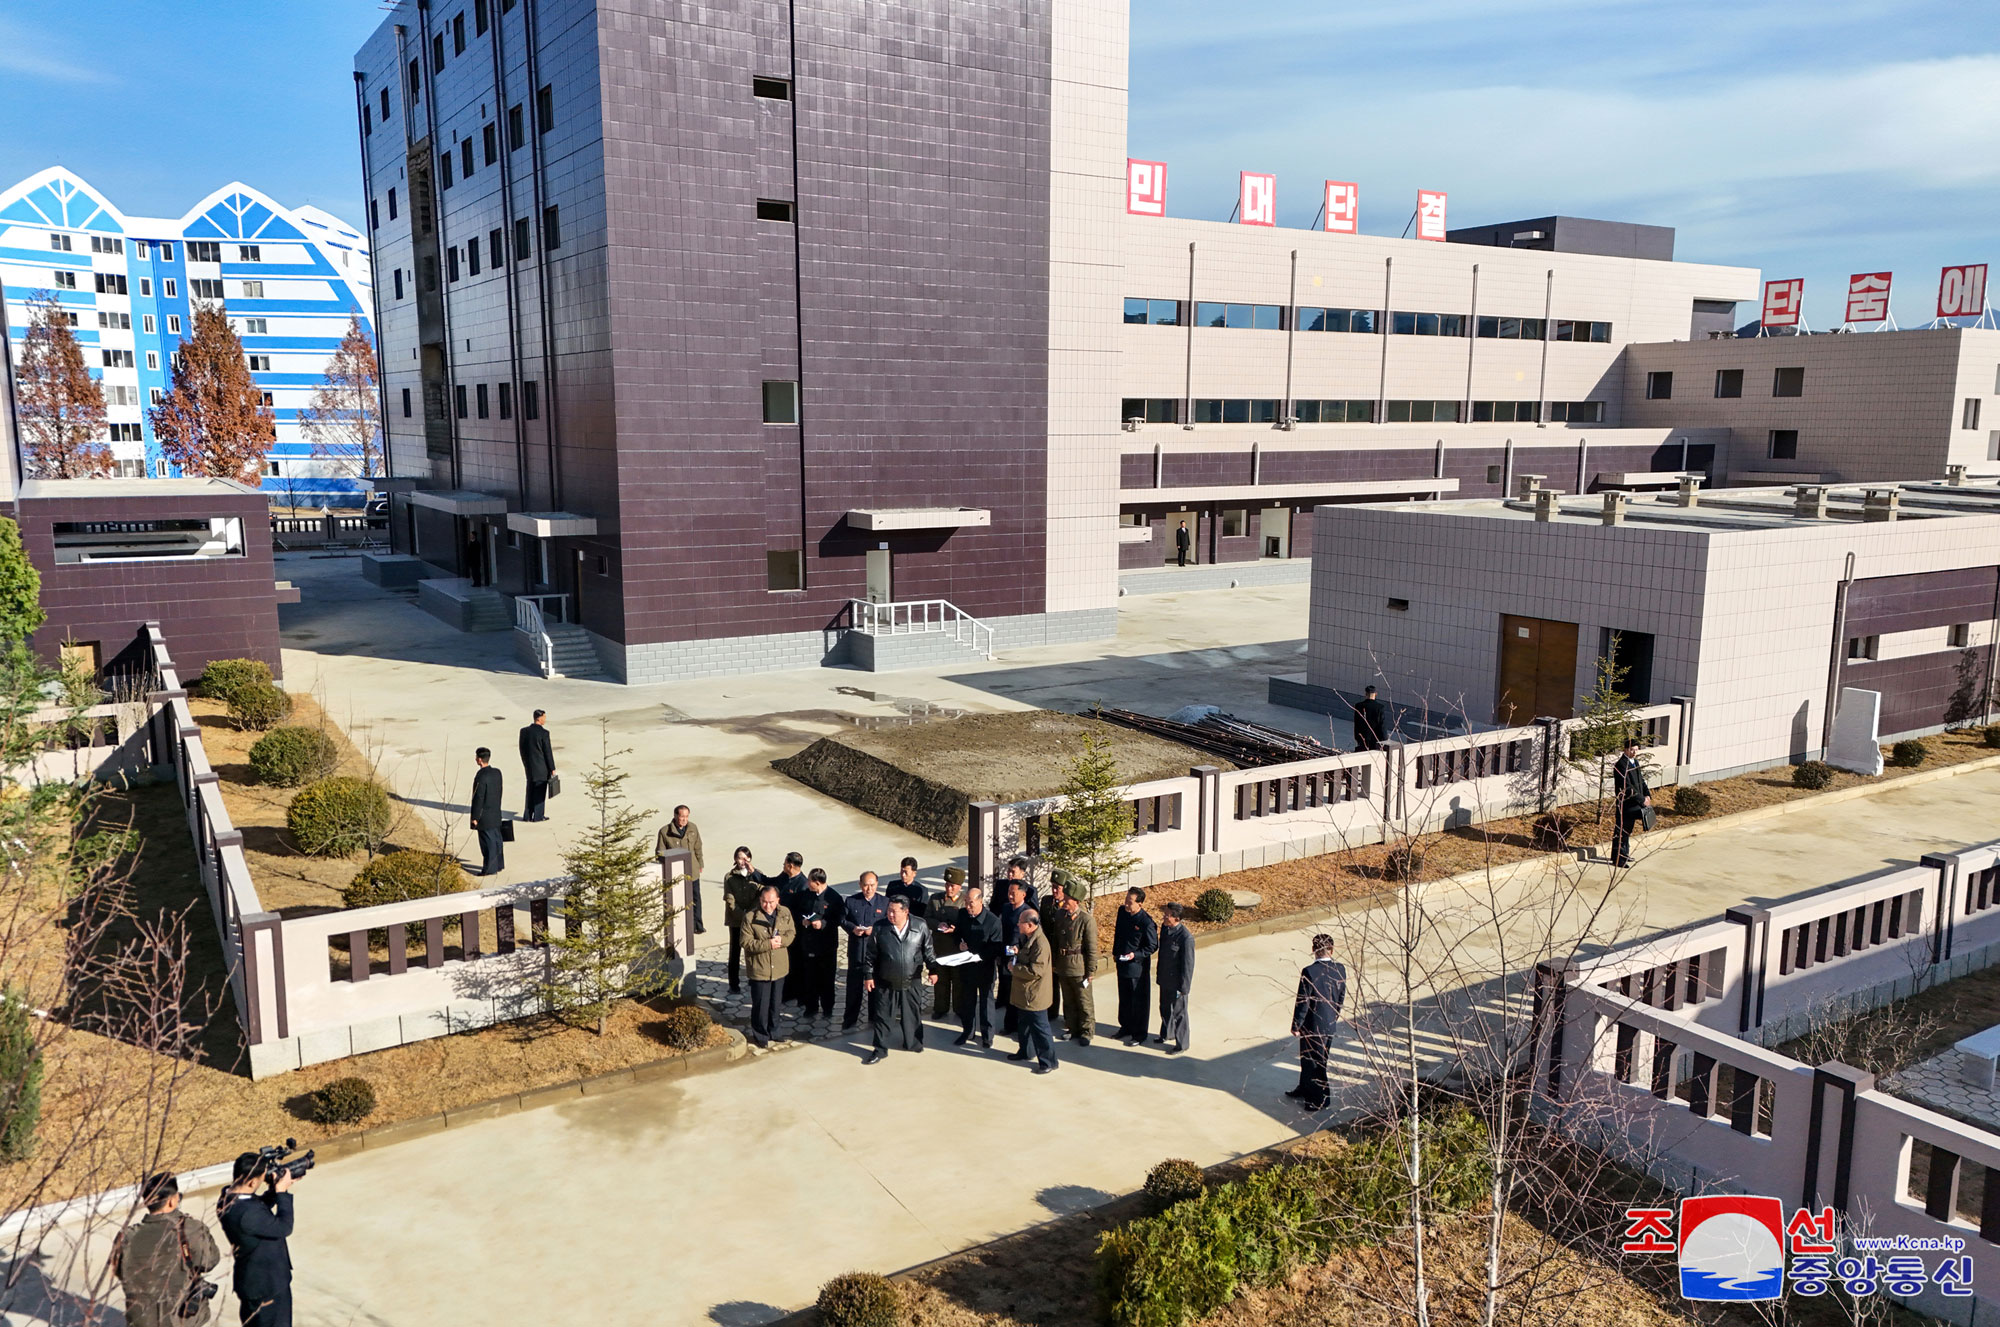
(767, 934)
(680, 832)
(485, 814)
(1322, 991)
(1628, 782)
(157, 1259)
(1032, 980)
(861, 912)
(1076, 964)
(739, 897)
(1183, 545)
(1134, 937)
(1371, 722)
(817, 911)
(978, 929)
(257, 1226)
(942, 917)
(897, 967)
(538, 764)
(906, 887)
(1018, 897)
(1175, 972)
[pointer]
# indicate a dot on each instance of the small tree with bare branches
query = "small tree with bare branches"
(343, 421)
(61, 406)
(214, 421)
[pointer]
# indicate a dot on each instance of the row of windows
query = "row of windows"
(495, 254)
(1168, 410)
(1310, 318)
(118, 322)
(126, 433)
(60, 243)
(481, 404)
(117, 359)
(488, 142)
(204, 251)
(1729, 383)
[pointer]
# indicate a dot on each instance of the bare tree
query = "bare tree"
(61, 406)
(343, 421)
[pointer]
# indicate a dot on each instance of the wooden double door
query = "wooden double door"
(1537, 670)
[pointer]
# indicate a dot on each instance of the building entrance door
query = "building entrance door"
(1275, 528)
(1537, 670)
(1171, 549)
(881, 576)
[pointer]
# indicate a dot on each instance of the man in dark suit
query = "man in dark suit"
(906, 887)
(1175, 974)
(538, 763)
(860, 913)
(1628, 779)
(257, 1226)
(486, 814)
(1183, 544)
(978, 929)
(1134, 937)
(816, 953)
(1371, 722)
(1322, 991)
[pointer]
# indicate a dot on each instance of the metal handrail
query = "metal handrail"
(528, 618)
(922, 617)
(552, 606)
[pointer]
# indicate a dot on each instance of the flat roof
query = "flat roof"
(1726, 509)
(31, 489)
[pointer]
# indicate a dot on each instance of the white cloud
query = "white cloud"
(31, 55)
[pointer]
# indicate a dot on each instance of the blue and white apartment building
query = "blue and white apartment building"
(290, 278)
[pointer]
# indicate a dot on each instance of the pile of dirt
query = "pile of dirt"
(923, 776)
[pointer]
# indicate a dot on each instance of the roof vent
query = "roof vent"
(1955, 475)
(1614, 508)
(1530, 485)
(1545, 504)
(1690, 491)
(1883, 504)
(1809, 502)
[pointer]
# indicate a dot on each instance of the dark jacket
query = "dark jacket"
(898, 961)
(943, 912)
(1010, 916)
(856, 911)
(1183, 538)
(1322, 991)
(1371, 725)
(1628, 777)
(256, 1228)
(981, 934)
(1175, 968)
(538, 754)
(913, 893)
(825, 907)
(1134, 933)
(486, 798)
(148, 1261)
(739, 893)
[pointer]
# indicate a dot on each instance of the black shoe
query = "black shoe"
(1175, 1050)
(961, 1039)
(917, 1049)
(1045, 1068)
(845, 1027)
(1083, 1041)
(700, 929)
(1128, 1041)
(987, 1041)
(1161, 1039)
(736, 990)
(1295, 1092)
(1018, 1056)
(876, 1055)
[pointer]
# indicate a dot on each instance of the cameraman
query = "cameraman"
(159, 1258)
(256, 1226)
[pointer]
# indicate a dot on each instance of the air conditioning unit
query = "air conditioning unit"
(1288, 422)
(1132, 424)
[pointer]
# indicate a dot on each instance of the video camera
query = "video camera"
(274, 1161)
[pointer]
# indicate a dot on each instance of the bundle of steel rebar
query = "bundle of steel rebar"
(1239, 741)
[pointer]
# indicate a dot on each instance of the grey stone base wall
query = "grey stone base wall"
(1216, 576)
(394, 571)
(674, 661)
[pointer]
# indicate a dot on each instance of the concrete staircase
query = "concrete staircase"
(457, 601)
(573, 654)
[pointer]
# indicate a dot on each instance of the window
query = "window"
(1969, 417)
(260, 363)
(147, 325)
(494, 253)
(173, 321)
(1334, 412)
(444, 170)
(437, 52)
(777, 89)
(374, 215)
(416, 83)
(1660, 386)
(1513, 329)
(1784, 444)
(458, 399)
(1493, 474)
(109, 283)
(479, 399)
(406, 403)
(458, 33)
(522, 246)
(253, 290)
(1958, 637)
(479, 17)
(773, 209)
(472, 257)
(265, 398)
(545, 109)
(117, 359)
(506, 400)
(1235, 523)
(1159, 312)
(1864, 647)
(451, 263)
(1336, 320)
(1993, 445)
(156, 396)
(202, 288)
(249, 253)
(1788, 382)
(1504, 412)
(204, 251)
(1427, 324)
(67, 280)
(1151, 410)
(385, 105)
(531, 401)
(256, 327)
(126, 433)
(489, 143)
(152, 361)
(1263, 317)
(142, 248)
(105, 244)
(1423, 412)
(392, 205)
(515, 135)
(1576, 412)
(1728, 383)
(784, 569)
(551, 228)
(781, 403)
(1567, 330)
(1236, 411)
(59, 243)
(465, 158)
(145, 286)
(398, 274)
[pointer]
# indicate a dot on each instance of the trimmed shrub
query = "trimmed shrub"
(259, 705)
(860, 1299)
(1909, 753)
(343, 1101)
(1404, 863)
(1215, 905)
(1174, 1180)
(398, 876)
(1692, 802)
(685, 1027)
(339, 816)
(288, 757)
(1812, 775)
(223, 678)
(1990, 735)
(20, 1079)
(1552, 831)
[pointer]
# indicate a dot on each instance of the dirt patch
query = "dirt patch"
(922, 776)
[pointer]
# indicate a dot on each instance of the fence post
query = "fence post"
(1683, 732)
(1756, 924)
(1945, 922)
(1551, 741)
(1849, 1082)
(1208, 816)
(1395, 769)
(677, 895)
(981, 843)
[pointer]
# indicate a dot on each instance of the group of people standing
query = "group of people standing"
(488, 820)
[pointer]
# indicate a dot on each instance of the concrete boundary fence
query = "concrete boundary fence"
(1212, 821)
(1658, 1050)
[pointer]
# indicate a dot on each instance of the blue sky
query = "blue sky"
(1809, 140)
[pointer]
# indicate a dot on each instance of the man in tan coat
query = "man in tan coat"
(1031, 983)
(766, 933)
(1076, 963)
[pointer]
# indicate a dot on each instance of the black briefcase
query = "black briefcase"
(506, 831)
(555, 785)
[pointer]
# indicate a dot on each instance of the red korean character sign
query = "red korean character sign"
(1145, 188)
(1343, 207)
(1868, 297)
(1257, 199)
(1430, 215)
(1782, 302)
(1962, 291)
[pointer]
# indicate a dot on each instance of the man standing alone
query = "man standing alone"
(1371, 722)
(1322, 991)
(538, 764)
(485, 815)
(766, 935)
(1183, 542)
(1029, 986)
(680, 832)
(1133, 940)
(1176, 974)
(1628, 777)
